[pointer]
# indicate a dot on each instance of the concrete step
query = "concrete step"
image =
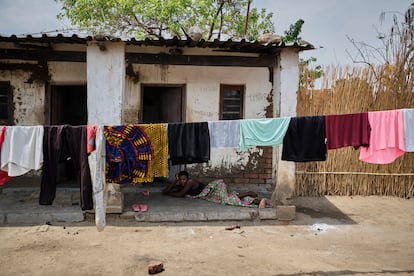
(20, 206)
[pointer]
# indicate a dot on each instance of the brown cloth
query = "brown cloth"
(63, 143)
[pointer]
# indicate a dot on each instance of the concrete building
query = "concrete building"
(103, 80)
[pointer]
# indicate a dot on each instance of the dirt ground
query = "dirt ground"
(330, 236)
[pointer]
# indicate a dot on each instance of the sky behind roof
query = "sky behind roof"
(327, 22)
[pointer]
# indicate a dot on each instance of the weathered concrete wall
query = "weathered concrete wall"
(245, 168)
(203, 88)
(115, 98)
(131, 106)
(106, 82)
(28, 98)
(67, 73)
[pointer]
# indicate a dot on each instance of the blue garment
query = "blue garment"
(128, 153)
(262, 132)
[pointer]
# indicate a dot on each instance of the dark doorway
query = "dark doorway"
(162, 104)
(68, 106)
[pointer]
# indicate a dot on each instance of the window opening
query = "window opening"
(231, 102)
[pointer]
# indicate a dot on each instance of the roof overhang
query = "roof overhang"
(41, 48)
(241, 46)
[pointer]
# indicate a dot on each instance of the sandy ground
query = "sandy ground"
(333, 236)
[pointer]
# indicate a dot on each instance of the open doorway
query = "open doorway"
(163, 104)
(68, 106)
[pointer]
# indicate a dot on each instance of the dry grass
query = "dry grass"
(353, 90)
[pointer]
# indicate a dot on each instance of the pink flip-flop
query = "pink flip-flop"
(143, 207)
(145, 192)
(135, 207)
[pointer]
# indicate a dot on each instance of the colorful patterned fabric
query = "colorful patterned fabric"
(216, 191)
(128, 154)
(157, 133)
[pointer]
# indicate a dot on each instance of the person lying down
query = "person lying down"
(215, 191)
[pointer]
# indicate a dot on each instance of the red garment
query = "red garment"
(90, 137)
(4, 177)
(347, 130)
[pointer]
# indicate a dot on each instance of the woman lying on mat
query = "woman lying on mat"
(216, 191)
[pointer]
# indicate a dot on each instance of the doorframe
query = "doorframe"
(48, 97)
(183, 87)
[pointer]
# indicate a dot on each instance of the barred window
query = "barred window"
(231, 102)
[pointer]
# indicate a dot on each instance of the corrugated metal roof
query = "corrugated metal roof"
(226, 45)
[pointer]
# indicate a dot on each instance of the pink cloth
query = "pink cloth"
(387, 137)
(4, 177)
(90, 136)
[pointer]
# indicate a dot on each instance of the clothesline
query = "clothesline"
(357, 173)
(382, 136)
(304, 139)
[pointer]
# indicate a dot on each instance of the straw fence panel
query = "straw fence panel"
(353, 91)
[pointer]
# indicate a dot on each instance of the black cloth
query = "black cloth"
(60, 144)
(305, 139)
(188, 143)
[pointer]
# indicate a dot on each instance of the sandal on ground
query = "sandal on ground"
(135, 207)
(143, 207)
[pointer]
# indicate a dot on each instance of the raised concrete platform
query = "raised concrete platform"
(19, 205)
(164, 208)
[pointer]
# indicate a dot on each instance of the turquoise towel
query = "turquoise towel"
(262, 132)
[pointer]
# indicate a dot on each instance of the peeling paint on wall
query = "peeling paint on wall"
(229, 164)
(130, 116)
(28, 99)
(269, 108)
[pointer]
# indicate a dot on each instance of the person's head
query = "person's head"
(183, 177)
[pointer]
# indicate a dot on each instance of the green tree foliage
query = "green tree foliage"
(167, 18)
(292, 35)
(309, 72)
